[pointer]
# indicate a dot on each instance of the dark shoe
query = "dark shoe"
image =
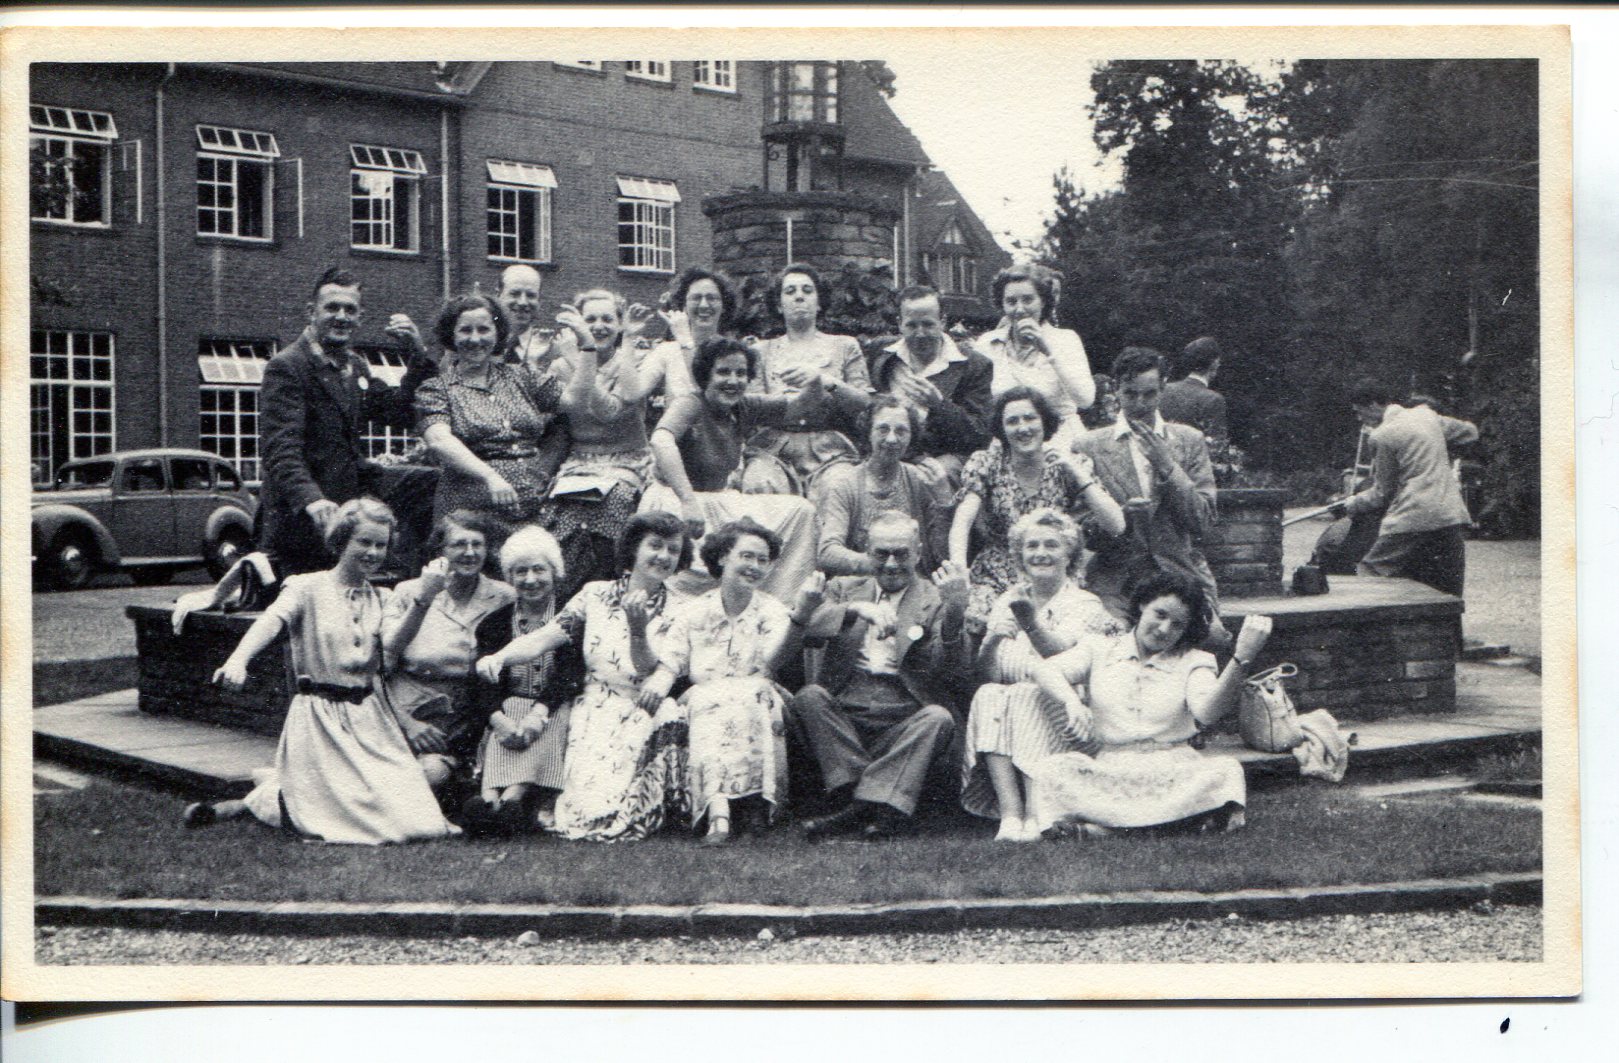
(845, 821)
(200, 814)
(479, 818)
(750, 817)
(887, 823)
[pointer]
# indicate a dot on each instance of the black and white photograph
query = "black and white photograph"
(779, 527)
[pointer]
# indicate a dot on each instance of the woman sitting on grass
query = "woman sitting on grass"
(343, 771)
(625, 768)
(1134, 702)
(730, 641)
(1010, 725)
(520, 761)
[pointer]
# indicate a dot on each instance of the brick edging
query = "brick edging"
(1079, 911)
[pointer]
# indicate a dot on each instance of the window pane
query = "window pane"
(254, 188)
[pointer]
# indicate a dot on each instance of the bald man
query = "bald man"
(520, 298)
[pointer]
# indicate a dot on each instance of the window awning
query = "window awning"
(95, 124)
(399, 160)
(238, 141)
(234, 363)
(386, 364)
(648, 188)
(528, 174)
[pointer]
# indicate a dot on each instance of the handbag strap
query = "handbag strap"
(1285, 670)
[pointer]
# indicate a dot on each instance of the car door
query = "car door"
(143, 510)
(191, 481)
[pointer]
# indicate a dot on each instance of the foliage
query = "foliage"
(854, 302)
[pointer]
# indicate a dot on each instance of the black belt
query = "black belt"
(333, 692)
(506, 453)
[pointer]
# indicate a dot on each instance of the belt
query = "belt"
(512, 452)
(332, 691)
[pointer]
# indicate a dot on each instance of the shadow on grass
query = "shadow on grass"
(57, 682)
(116, 841)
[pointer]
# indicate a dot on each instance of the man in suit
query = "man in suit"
(315, 400)
(948, 385)
(1160, 473)
(1192, 400)
(894, 663)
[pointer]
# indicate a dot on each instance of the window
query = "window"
(70, 398)
(235, 182)
(192, 474)
(647, 69)
(717, 74)
(144, 476)
(386, 197)
(69, 164)
(387, 364)
(953, 271)
(646, 224)
(520, 211)
(803, 92)
(581, 64)
(86, 474)
(228, 405)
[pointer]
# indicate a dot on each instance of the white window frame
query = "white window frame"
(581, 64)
(231, 372)
(389, 365)
(376, 178)
(648, 69)
(78, 132)
(715, 75)
(229, 153)
(649, 204)
(510, 185)
(71, 361)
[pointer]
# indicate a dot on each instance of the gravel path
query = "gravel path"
(1483, 933)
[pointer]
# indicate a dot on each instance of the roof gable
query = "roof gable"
(872, 131)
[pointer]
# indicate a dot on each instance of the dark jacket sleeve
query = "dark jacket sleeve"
(284, 408)
(396, 406)
(567, 677)
(960, 426)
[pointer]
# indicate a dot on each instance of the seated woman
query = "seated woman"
(1135, 701)
(483, 418)
(1028, 349)
(884, 481)
(428, 647)
(730, 641)
(698, 449)
(343, 772)
(520, 761)
(624, 771)
(1015, 474)
(608, 464)
(698, 307)
(1010, 725)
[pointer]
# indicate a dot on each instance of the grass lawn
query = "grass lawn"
(58, 682)
(119, 841)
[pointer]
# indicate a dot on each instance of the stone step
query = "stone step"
(1495, 707)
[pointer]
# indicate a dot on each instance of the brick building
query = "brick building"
(181, 211)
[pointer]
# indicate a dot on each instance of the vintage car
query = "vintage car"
(146, 512)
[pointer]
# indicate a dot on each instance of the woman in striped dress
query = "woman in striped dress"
(1010, 725)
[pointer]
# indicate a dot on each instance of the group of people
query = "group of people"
(698, 569)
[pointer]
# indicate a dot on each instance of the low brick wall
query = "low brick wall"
(1368, 649)
(830, 230)
(1245, 547)
(175, 671)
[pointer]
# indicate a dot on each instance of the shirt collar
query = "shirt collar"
(1121, 427)
(948, 353)
(318, 353)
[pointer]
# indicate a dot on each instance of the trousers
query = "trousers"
(884, 750)
(1437, 558)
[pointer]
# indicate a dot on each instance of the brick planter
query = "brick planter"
(175, 671)
(1245, 547)
(830, 230)
(1368, 649)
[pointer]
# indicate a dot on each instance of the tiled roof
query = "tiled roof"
(422, 76)
(936, 203)
(872, 131)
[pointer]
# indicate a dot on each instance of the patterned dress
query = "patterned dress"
(524, 690)
(343, 772)
(1009, 715)
(1145, 772)
(500, 419)
(988, 474)
(838, 357)
(738, 744)
(624, 771)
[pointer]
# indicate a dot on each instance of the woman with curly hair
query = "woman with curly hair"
(1029, 350)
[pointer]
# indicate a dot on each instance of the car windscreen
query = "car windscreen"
(85, 474)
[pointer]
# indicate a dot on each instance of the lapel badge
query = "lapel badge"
(362, 382)
(915, 632)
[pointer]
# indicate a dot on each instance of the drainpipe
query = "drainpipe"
(444, 194)
(162, 267)
(905, 223)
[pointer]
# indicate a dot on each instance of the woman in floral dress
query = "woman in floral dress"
(1015, 474)
(1011, 725)
(730, 641)
(624, 770)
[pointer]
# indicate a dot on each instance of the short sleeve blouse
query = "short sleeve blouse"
(335, 631)
(838, 357)
(1135, 700)
(706, 643)
(511, 405)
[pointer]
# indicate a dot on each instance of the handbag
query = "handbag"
(1266, 718)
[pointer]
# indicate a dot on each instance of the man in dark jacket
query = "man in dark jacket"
(315, 401)
(1192, 400)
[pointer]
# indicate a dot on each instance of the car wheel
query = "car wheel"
(151, 575)
(71, 561)
(226, 551)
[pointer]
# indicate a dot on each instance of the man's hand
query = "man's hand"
(402, 329)
(435, 574)
(1155, 447)
(1252, 638)
(953, 583)
(810, 596)
(321, 511)
(1338, 509)
(917, 391)
(573, 324)
(880, 617)
(425, 738)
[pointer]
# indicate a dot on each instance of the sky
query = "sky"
(1002, 139)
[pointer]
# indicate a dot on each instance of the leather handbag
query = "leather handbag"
(1266, 718)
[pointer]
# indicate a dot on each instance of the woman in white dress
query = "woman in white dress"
(1011, 724)
(343, 772)
(730, 641)
(1134, 702)
(1029, 350)
(624, 770)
